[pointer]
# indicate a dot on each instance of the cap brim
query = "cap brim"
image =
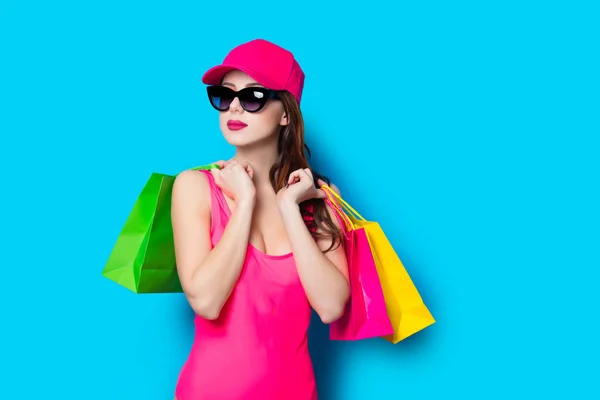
(215, 75)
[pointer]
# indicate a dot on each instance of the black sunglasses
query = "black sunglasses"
(252, 99)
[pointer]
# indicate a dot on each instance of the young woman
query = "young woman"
(257, 249)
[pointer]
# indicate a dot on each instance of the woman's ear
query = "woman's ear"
(284, 120)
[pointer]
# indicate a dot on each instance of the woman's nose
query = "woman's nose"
(235, 105)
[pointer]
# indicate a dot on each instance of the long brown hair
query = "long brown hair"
(293, 154)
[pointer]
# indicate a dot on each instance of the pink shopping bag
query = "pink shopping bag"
(365, 315)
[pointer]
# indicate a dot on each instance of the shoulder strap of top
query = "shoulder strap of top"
(219, 209)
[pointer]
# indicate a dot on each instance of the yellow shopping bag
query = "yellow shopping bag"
(405, 307)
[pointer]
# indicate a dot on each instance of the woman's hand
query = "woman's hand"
(301, 187)
(235, 179)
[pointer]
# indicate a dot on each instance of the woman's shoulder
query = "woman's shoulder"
(191, 178)
(198, 177)
(191, 184)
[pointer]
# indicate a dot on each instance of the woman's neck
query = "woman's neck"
(261, 159)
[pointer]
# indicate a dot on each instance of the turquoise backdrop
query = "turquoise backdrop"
(468, 129)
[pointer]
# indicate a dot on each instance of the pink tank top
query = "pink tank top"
(258, 347)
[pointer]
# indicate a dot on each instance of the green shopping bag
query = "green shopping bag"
(143, 258)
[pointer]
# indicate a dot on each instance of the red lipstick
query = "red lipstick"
(236, 125)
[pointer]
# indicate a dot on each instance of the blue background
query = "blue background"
(469, 130)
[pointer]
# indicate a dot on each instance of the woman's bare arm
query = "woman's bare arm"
(323, 275)
(207, 276)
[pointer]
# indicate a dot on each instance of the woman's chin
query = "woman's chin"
(240, 140)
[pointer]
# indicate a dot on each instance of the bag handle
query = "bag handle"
(207, 167)
(340, 215)
(343, 203)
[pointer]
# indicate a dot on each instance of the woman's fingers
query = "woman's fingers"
(221, 163)
(248, 169)
(295, 176)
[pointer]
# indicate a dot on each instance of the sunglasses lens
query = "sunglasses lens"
(222, 103)
(252, 99)
(220, 97)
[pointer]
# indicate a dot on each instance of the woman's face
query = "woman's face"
(242, 128)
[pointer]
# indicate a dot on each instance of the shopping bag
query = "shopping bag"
(365, 315)
(143, 257)
(405, 306)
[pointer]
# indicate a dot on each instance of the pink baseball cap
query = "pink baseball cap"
(269, 64)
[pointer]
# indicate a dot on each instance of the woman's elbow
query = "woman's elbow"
(206, 308)
(333, 313)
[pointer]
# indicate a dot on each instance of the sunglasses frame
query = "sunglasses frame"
(269, 95)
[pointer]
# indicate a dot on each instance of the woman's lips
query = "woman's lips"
(236, 125)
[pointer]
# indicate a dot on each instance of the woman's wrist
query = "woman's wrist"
(246, 203)
(286, 205)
